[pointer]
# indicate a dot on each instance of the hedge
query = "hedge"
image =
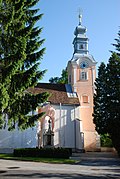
(42, 152)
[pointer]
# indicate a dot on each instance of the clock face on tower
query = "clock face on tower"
(84, 64)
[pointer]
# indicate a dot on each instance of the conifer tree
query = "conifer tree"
(113, 99)
(113, 69)
(117, 44)
(107, 99)
(21, 53)
(99, 112)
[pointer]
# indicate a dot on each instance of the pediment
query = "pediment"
(78, 59)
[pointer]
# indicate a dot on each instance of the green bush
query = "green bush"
(106, 141)
(42, 152)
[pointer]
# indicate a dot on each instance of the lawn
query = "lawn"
(36, 159)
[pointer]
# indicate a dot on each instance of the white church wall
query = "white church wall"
(17, 138)
(66, 134)
(79, 135)
(67, 128)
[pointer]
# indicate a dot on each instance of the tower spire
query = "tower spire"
(80, 41)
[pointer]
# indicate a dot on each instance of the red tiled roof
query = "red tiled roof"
(58, 93)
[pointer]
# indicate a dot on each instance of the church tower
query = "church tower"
(81, 75)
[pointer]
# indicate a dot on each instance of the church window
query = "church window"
(83, 75)
(85, 99)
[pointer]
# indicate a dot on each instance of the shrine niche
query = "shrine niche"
(46, 127)
(48, 136)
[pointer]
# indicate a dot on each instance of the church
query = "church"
(68, 120)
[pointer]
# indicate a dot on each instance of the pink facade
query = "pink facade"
(85, 90)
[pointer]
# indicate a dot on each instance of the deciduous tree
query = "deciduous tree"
(60, 80)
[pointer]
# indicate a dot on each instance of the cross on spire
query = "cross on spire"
(80, 16)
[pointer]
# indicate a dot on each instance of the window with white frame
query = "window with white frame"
(83, 75)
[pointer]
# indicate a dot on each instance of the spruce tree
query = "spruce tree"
(117, 44)
(99, 112)
(5, 19)
(113, 99)
(20, 55)
(106, 114)
(113, 73)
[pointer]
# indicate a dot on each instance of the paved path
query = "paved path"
(91, 166)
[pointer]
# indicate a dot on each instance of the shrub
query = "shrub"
(42, 152)
(106, 141)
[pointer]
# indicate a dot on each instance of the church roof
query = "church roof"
(59, 93)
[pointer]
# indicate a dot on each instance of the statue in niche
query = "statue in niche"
(48, 137)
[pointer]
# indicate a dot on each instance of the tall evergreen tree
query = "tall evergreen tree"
(117, 44)
(113, 99)
(21, 53)
(107, 100)
(99, 113)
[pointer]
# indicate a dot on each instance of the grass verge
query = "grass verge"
(35, 159)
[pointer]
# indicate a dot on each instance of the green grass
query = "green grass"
(35, 159)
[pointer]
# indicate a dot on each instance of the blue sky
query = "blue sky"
(101, 17)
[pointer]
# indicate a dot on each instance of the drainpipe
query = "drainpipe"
(74, 127)
(60, 128)
(92, 81)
